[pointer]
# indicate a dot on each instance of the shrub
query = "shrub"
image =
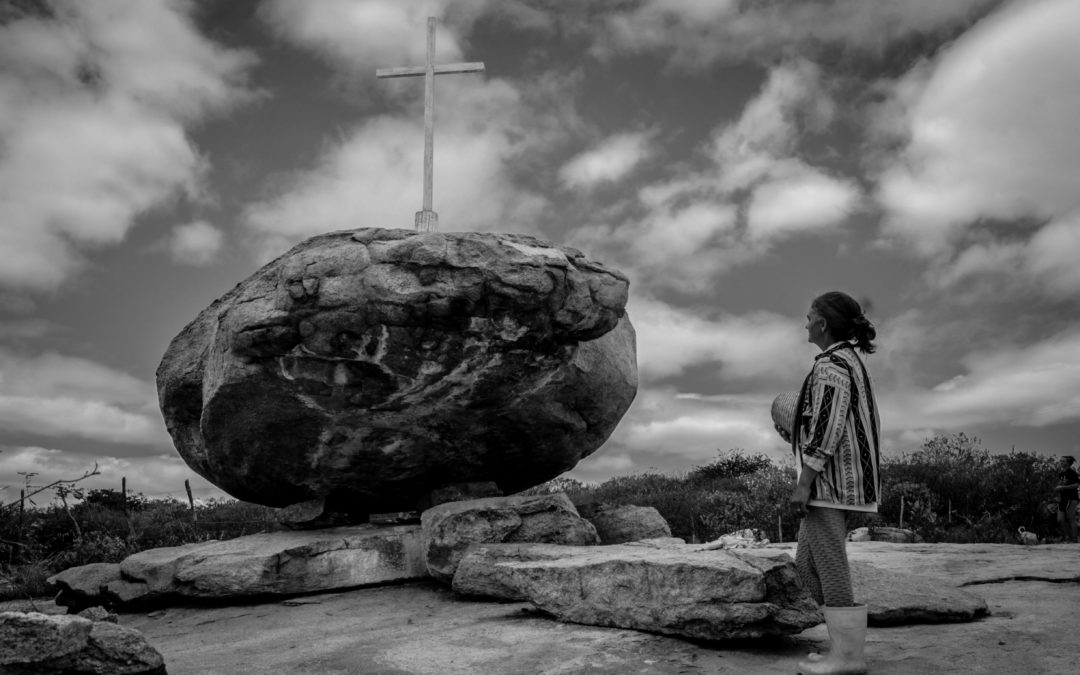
(733, 492)
(951, 489)
(731, 464)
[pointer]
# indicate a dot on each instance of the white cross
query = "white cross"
(427, 220)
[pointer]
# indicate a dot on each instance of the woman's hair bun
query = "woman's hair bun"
(845, 318)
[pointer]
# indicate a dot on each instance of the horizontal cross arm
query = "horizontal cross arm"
(444, 69)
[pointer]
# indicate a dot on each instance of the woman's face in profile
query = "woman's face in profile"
(815, 327)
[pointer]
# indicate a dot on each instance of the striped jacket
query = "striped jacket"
(838, 431)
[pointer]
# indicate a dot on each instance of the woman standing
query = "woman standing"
(835, 441)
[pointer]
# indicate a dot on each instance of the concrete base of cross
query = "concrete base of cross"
(427, 221)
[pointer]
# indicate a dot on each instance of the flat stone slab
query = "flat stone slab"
(715, 595)
(968, 564)
(892, 597)
(274, 563)
(895, 598)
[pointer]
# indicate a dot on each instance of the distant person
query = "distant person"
(1068, 491)
(834, 436)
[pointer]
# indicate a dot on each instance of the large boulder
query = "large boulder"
(41, 643)
(621, 523)
(674, 590)
(274, 563)
(373, 366)
(450, 529)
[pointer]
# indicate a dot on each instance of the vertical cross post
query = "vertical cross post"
(426, 219)
(429, 114)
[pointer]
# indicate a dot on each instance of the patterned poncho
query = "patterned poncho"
(839, 431)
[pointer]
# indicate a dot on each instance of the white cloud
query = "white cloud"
(361, 34)
(978, 260)
(602, 465)
(807, 201)
(672, 433)
(692, 230)
(791, 103)
(673, 340)
(196, 243)
(93, 104)
(679, 246)
(1030, 385)
(1052, 253)
(155, 476)
(375, 178)
(609, 161)
(991, 129)
(25, 329)
(487, 131)
(59, 396)
(697, 33)
(678, 233)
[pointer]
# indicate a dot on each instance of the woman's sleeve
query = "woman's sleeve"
(832, 400)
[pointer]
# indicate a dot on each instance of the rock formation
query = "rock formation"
(895, 598)
(275, 563)
(41, 643)
(372, 366)
(714, 595)
(451, 528)
(621, 523)
(892, 598)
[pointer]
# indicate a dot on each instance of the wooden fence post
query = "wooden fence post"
(191, 503)
(901, 512)
(780, 527)
(22, 513)
(123, 494)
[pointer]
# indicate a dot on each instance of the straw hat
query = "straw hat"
(783, 410)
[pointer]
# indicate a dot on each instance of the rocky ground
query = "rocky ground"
(419, 628)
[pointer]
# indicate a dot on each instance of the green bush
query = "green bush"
(735, 491)
(954, 490)
(44, 541)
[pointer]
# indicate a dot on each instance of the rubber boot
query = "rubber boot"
(847, 635)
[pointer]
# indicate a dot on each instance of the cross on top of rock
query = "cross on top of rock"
(426, 219)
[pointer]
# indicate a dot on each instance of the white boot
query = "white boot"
(847, 634)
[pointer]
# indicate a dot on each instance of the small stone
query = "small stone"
(98, 614)
(622, 523)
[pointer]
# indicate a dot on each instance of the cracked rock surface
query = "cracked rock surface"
(369, 367)
(266, 564)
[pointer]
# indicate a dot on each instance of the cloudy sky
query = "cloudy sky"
(733, 158)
